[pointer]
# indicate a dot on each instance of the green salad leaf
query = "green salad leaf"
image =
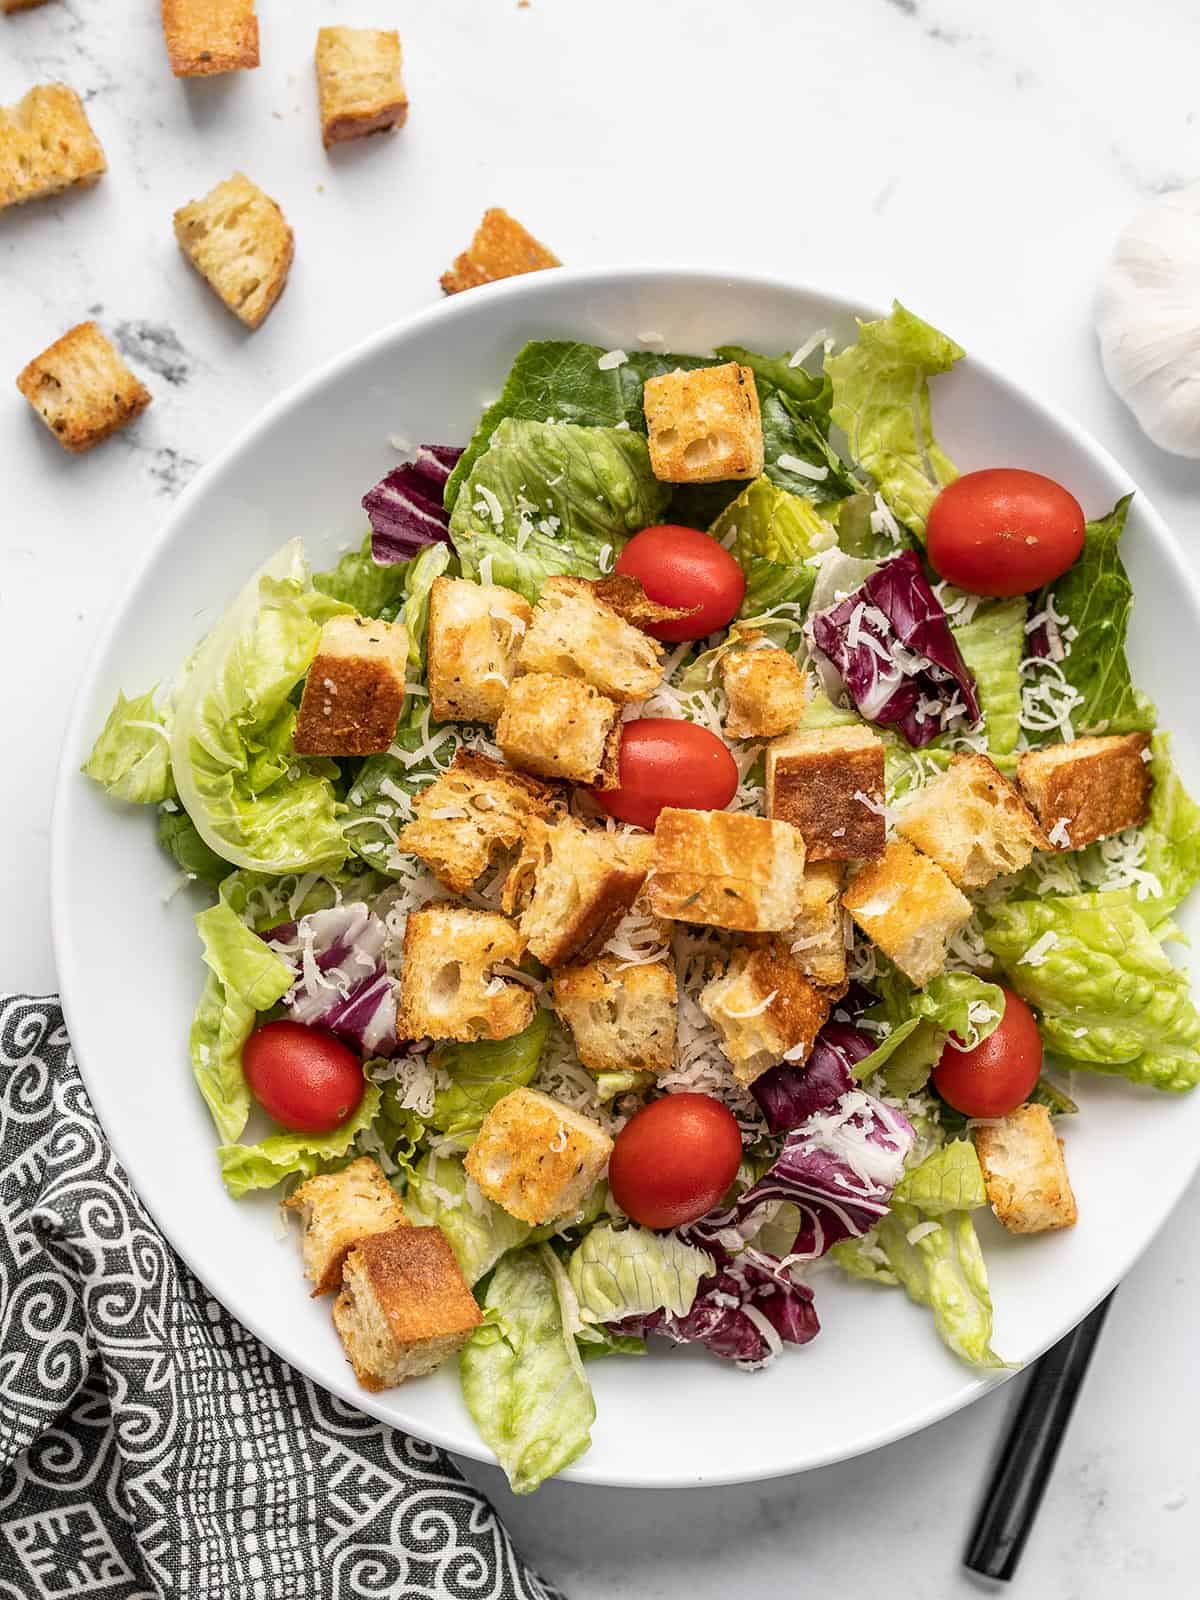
(285, 1155)
(1172, 831)
(131, 759)
(483, 1073)
(812, 394)
(629, 1272)
(373, 588)
(920, 1019)
(950, 1179)
(773, 533)
(993, 645)
(479, 1232)
(178, 836)
(422, 571)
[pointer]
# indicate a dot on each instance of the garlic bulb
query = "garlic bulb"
(1148, 320)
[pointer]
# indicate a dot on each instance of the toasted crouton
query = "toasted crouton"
(449, 988)
(705, 426)
(536, 1157)
(354, 692)
(575, 884)
(622, 1018)
(358, 80)
(726, 870)
(46, 145)
(1089, 788)
(1025, 1171)
(19, 5)
(207, 36)
(404, 1307)
(561, 728)
(629, 599)
(828, 782)
(239, 242)
(575, 634)
(501, 248)
(764, 1008)
(973, 823)
(816, 938)
(81, 389)
(472, 812)
(907, 905)
(337, 1210)
(765, 688)
(475, 631)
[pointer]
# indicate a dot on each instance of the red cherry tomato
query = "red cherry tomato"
(668, 762)
(998, 1075)
(1004, 531)
(303, 1077)
(685, 567)
(674, 1160)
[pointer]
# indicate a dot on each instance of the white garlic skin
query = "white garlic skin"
(1148, 320)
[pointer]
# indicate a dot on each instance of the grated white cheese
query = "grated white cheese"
(922, 1231)
(611, 359)
(1059, 835)
(1040, 949)
(802, 469)
(802, 352)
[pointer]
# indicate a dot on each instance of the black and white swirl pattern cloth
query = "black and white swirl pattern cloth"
(149, 1446)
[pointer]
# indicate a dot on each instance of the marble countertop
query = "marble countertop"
(975, 160)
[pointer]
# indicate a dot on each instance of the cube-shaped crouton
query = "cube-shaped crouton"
(973, 823)
(501, 248)
(46, 145)
(765, 688)
(337, 1211)
(1025, 1171)
(358, 80)
(81, 389)
(622, 1018)
(475, 632)
(207, 36)
(626, 596)
(561, 728)
(404, 1307)
(575, 634)
(907, 905)
(471, 813)
(726, 870)
(817, 938)
(536, 1157)
(828, 782)
(449, 988)
(239, 242)
(354, 692)
(1089, 788)
(705, 426)
(764, 1008)
(574, 884)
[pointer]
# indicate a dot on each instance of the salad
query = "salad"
(697, 838)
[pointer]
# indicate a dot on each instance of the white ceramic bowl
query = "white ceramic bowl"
(130, 965)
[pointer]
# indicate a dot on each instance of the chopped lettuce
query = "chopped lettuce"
(484, 1072)
(522, 1377)
(950, 1179)
(286, 1155)
(372, 588)
(919, 1021)
(812, 395)
(993, 644)
(773, 533)
(178, 836)
(629, 1272)
(432, 563)
(479, 1232)
(1172, 832)
(131, 759)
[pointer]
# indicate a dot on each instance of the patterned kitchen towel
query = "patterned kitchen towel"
(149, 1446)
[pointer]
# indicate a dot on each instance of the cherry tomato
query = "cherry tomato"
(998, 1075)
(1004, 531)
(684, 567)
(667, 762)
(303, 1077)
(674, 1160)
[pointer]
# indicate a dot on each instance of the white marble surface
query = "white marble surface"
(974, 159)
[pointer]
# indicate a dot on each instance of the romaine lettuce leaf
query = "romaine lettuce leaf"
(131, 759)
(993, 644)
(483, 1073)
(479, 1232)
(285, 1155)
(1172, 831)
(812, 395)
(177, 835)
(950, 1179)
(773, 534)
(920, 1019)
(433, 562)
(629, 1272)
(521, 1374)
(372, 588)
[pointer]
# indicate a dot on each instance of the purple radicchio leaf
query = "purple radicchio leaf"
(793, 1091)
(342, 981)
(892, 646)
(405, 508)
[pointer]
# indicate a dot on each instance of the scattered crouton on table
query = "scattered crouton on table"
(81, 389)
(501, 248)
(239, 241)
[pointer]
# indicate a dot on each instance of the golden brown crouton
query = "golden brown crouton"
(338, 1210)
(828, 782)
(973, 823)
(354, 692)
(207, 36)
(561, 728)
(475, 631)
(575, 884)
(765, 688)
(764, 1008)
(358, 80)
(1025, 1171)
(705, 426)
(449, 988)
(575, 634)
(46, 145)
(621, 1017)
(239, 242)
(81, 389)
(404, 1307)
(1089, 788)
(472, 812)
(629, 599)
(907, 905)
(727, 870)
(20, 5)
(501, 248)
(536, 1157)
(817, 937)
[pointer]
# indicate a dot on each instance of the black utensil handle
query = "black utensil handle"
(1027, 1459)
